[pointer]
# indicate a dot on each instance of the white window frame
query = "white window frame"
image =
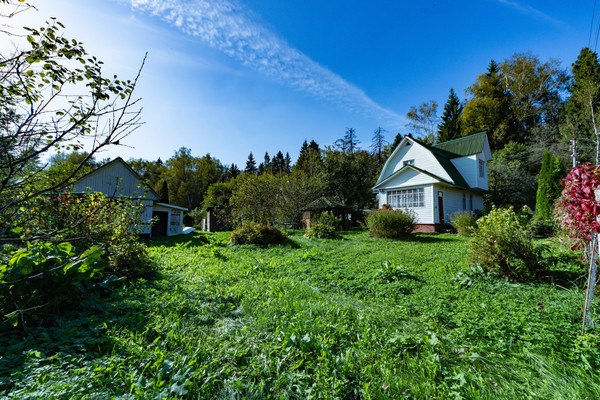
(175, 218)
(406, 198)
(408, 162)
(482, 168)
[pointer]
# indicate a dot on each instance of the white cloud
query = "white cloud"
(233, 29)
(527, 9)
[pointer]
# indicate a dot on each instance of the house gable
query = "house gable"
(412, 152)
(115, 179)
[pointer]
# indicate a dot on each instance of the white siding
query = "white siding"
(114, 180)
(409, 178)
(453, 202)
(422, 157)
(172, 229)
(467, 166)
(482, 182)
(146, 217)
(424, 214)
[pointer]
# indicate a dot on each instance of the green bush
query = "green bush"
(321, 231)
(328, 219)
(465, 222)
(543, 228)
(253, 233)
(395, 224)
(504, 245)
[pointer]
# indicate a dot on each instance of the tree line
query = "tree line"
(527, 107)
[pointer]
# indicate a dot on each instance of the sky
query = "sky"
(230, 77)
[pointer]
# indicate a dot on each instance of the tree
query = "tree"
(349, 143)
(549, 186)
(164, 192)
(251, 165)
(582, 107)
(511, 182)
(423, 120)
(378, 143)
(350, 176)
(39, 114)
(450, 128)
(189, 177)
(62, 165)
(309, 161)
(152, 172)
(233, 171)
(535, 89)
(489, 109)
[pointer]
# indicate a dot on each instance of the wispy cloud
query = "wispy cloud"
(527, 9)
(233, 29)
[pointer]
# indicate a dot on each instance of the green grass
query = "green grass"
(350, 318)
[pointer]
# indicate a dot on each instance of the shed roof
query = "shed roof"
(324, 203)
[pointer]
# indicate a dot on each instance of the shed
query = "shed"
(323, 204)
(117, 179)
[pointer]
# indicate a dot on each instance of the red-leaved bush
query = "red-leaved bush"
(577, 209)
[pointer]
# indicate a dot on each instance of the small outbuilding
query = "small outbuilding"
(322, 205)
(117, 179)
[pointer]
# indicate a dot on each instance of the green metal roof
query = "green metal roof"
(324, 203)
(465, 146)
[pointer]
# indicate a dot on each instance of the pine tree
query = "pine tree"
(164, 192)
(549, 186)
(287, 167)
(314, 146)
(378, 143)
(234, 171)
(349, 143)
(251, 165)
(450, 128)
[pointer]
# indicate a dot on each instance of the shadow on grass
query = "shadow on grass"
(84, 330)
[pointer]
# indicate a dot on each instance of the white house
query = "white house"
(436, 181)
(117, 179)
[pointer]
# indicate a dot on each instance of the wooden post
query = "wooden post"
(210, 220)
(592, 276)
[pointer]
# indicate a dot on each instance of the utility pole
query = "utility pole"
(574, 151)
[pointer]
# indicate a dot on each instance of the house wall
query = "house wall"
(115, 180)
(482, 182)
(409, 178)
(424, 214)
(423, 160)
(177, 228)
(453, 202)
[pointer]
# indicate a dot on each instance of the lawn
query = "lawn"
(354, 318)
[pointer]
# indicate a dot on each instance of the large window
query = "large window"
(409, 198)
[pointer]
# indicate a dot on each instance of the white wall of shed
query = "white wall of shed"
(114, 180)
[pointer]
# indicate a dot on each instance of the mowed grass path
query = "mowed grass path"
(355, 318)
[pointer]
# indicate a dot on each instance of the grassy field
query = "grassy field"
(355, 318)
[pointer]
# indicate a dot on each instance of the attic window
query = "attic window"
(407, 144)
(409, 162)
(482, 168)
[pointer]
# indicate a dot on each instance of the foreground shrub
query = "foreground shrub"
(327, 219)
(321, 231)
(504, 245)
(395, 224)
(465, 222)
(252, 233)
(42, 276)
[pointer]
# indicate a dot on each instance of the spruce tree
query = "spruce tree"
(450, 128)
(164, 192)
(549, 187)
(287, 167)
(314, 146)
(251, 165)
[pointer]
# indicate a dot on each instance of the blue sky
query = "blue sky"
(228, 77)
